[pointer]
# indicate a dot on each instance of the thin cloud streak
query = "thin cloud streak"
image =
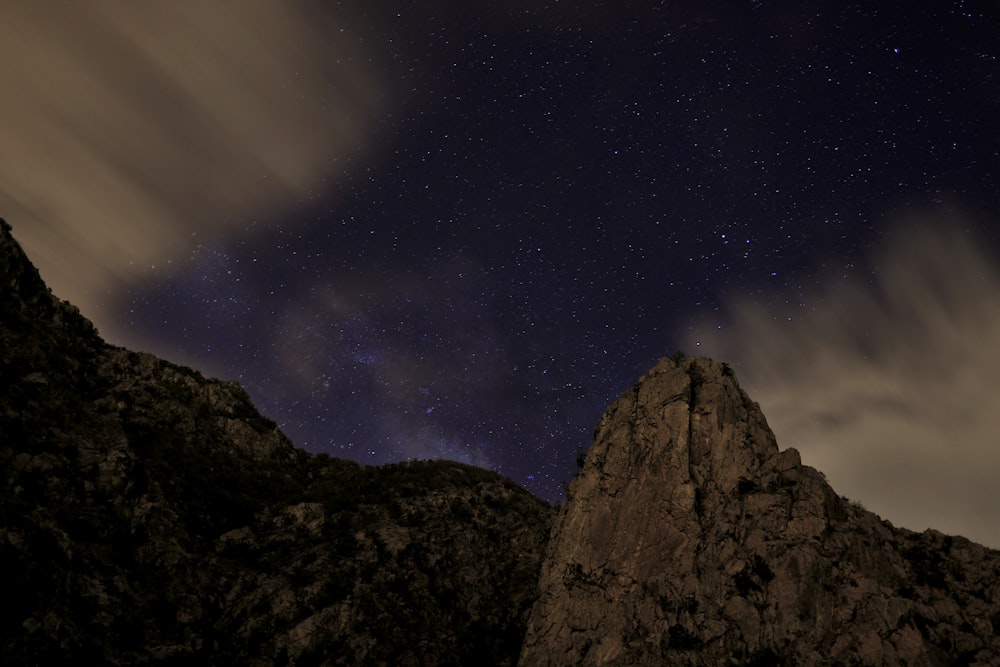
(887, 386)
(132, 131)
(342, 345)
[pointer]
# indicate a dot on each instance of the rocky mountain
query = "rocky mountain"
(151, 516)
(690, 539)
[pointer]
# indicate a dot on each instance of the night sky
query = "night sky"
(460, 230)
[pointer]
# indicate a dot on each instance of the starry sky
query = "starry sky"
(460, 230)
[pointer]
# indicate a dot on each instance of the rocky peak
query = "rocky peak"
(690, 539)
(28, 305)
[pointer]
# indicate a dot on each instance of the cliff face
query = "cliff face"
(690, 539)
(151, 516)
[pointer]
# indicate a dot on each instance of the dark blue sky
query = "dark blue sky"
(557, 194)
(546, 197)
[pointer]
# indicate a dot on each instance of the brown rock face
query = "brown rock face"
(689, 539)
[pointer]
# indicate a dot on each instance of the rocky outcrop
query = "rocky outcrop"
(149, 515)
(690, 539)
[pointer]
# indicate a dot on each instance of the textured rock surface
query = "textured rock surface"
(689, 539)
(151, 516)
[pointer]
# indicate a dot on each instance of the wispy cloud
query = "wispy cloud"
(371, 353)
(888, 384)
(132, 130)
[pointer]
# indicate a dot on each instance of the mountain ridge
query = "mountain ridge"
(152, 516)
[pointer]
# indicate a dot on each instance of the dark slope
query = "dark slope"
(150, 515)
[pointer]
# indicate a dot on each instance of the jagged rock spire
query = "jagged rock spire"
(689, 539)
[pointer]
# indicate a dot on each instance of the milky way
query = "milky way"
(418, 231)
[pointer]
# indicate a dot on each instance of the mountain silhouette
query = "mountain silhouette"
(149, 515)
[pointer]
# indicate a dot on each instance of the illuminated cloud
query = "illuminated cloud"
(133, 130)
(888, 386)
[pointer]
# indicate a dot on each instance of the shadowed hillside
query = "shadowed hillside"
(150, 515)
